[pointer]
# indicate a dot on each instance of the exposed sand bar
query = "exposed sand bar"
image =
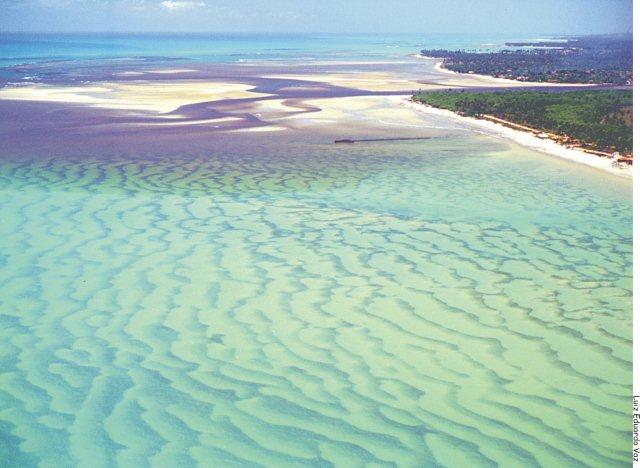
(150, 96)
(171, 123)
(368, 81)
(436, 78)
(400, 112)
(345, 114)
(261, 129)
(172, 71)
(339, 114)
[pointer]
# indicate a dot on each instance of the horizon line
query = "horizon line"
(559, 34)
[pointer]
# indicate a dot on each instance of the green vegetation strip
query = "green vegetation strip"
(598, 119)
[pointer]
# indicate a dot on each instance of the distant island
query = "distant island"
(589, 59)
(598, 121)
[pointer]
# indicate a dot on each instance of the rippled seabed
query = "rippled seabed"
(425, 303)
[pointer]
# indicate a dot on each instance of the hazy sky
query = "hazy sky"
(424, 16)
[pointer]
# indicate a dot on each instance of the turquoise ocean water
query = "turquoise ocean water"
(19, 48)
(281, 301)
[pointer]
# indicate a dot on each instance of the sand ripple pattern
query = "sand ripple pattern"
(409, 304)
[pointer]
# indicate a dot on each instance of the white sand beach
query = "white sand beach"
(160, 98)
(529, 140)
(146, 96)
(400, 112)
(488, 80)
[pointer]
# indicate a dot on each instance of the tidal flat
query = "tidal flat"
(177, 289)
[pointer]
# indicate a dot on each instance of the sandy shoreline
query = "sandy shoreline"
(439, 66)
(244, 108)
(529, 140)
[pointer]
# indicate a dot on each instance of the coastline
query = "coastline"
(284, 264)
(439, 67)
(314, 101)
(529, 140)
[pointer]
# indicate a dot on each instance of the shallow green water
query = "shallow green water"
(452, 303)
